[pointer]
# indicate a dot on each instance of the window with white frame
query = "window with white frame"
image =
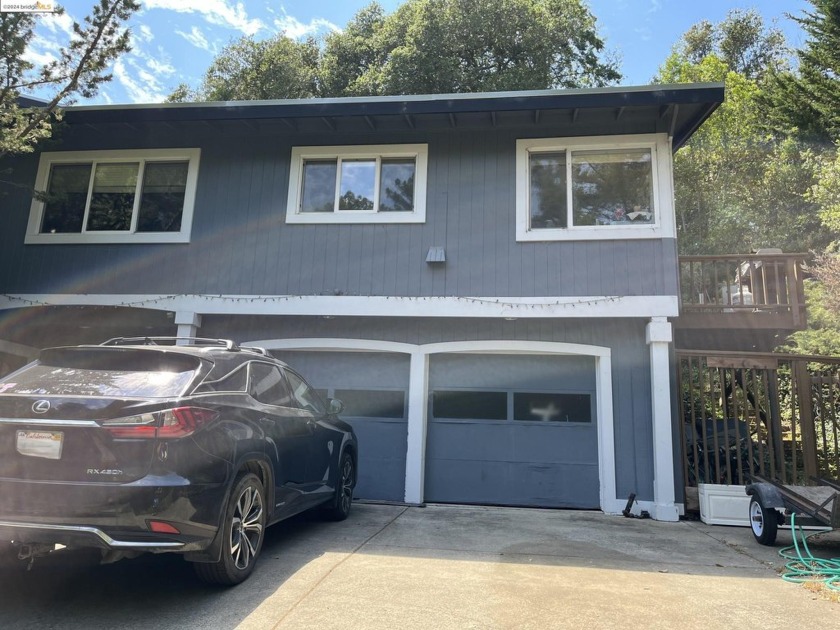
(593, 188)
(358, 184)
(139, 196)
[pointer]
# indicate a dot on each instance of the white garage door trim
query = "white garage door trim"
(419, 387)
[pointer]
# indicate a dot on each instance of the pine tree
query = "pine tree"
(809, 99)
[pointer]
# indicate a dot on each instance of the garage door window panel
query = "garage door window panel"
(372, 403)
(469, 405)
(552, 407)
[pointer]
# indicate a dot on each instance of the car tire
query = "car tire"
(242, 534)
(339, 508)
(764, 522)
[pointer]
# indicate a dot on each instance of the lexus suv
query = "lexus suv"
(145, 445)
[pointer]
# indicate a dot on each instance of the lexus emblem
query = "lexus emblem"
(41, 406)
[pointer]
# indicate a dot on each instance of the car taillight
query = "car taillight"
(172, 423)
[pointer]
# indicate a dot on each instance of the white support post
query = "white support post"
(188, 324)
(659, 337)
(415, 458)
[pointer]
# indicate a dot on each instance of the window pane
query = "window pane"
(67, 190)
(304, 395)
(370, 403)
(318, 186)
(268, 386)
(162, 197)
(548, 190)
(112, 201)
(236, 381)
(552, 407)
(469, 405)
(612, 187)
(358, 180)
(396, 186)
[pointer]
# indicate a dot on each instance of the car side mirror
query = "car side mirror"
(336, 406)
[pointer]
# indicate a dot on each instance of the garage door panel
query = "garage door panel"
(489, 442)
(375, 384)
(514, 483)
(513, 430)
(382, 449)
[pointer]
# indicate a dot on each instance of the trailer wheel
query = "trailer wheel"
(764, 522)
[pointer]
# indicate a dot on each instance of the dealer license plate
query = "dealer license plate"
(46, 444)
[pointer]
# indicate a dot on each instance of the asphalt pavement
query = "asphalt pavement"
(399, 567)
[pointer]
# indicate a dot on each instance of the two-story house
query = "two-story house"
(485, 280)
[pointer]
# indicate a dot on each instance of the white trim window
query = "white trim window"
(358, 184)
(616, 187)
(125, 196)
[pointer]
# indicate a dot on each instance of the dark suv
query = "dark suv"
(142, 445)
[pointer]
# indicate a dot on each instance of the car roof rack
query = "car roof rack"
(255, 349)
(228, 344)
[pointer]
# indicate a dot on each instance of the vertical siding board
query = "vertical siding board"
(253, 254)
(272, 280)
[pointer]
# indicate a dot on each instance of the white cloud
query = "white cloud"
(219, 12)
(39, 58)
(196, 38)
(142, 87)
(655, 6)
(144, 33)
(57, 23)
(160, 67)
(296, 29)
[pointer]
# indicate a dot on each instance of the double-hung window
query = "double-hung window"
(358, 184)
(614, 187)
(140, 196)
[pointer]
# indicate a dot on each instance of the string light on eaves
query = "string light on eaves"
(277, 299)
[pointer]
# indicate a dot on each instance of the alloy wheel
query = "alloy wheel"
(246, 528)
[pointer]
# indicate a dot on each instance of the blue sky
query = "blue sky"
(175, 40)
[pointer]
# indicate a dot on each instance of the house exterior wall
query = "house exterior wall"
(338, 282)
(241, 244)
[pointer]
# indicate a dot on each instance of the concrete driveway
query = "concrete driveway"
(441, 567)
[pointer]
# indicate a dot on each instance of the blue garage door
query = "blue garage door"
(512, 430)
(373, 387)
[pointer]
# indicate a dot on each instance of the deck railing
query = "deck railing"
(742, 291)
(775, 415)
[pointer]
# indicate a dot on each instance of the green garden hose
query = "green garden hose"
(803, 567)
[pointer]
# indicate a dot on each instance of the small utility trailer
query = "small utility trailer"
(771, 502)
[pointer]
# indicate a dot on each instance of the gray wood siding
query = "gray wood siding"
(626, 338)
(241, 244)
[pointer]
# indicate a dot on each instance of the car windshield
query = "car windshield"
(97, 372)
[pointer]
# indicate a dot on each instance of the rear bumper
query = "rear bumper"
(112, 516)
(79, 536)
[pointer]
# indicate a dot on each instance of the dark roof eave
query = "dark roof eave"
(645, 96)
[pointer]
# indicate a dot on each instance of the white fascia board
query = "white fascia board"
(370, 306)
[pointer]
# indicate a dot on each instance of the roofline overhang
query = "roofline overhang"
(706, 95)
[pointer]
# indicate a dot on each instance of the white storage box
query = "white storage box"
(724, 505)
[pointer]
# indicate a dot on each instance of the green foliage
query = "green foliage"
(737, 187)
(440, 46)
(807, 101)
(823, 334)
(741, 41)
(424, 47)
(79, 70)
(826, 192)
(248, 69)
